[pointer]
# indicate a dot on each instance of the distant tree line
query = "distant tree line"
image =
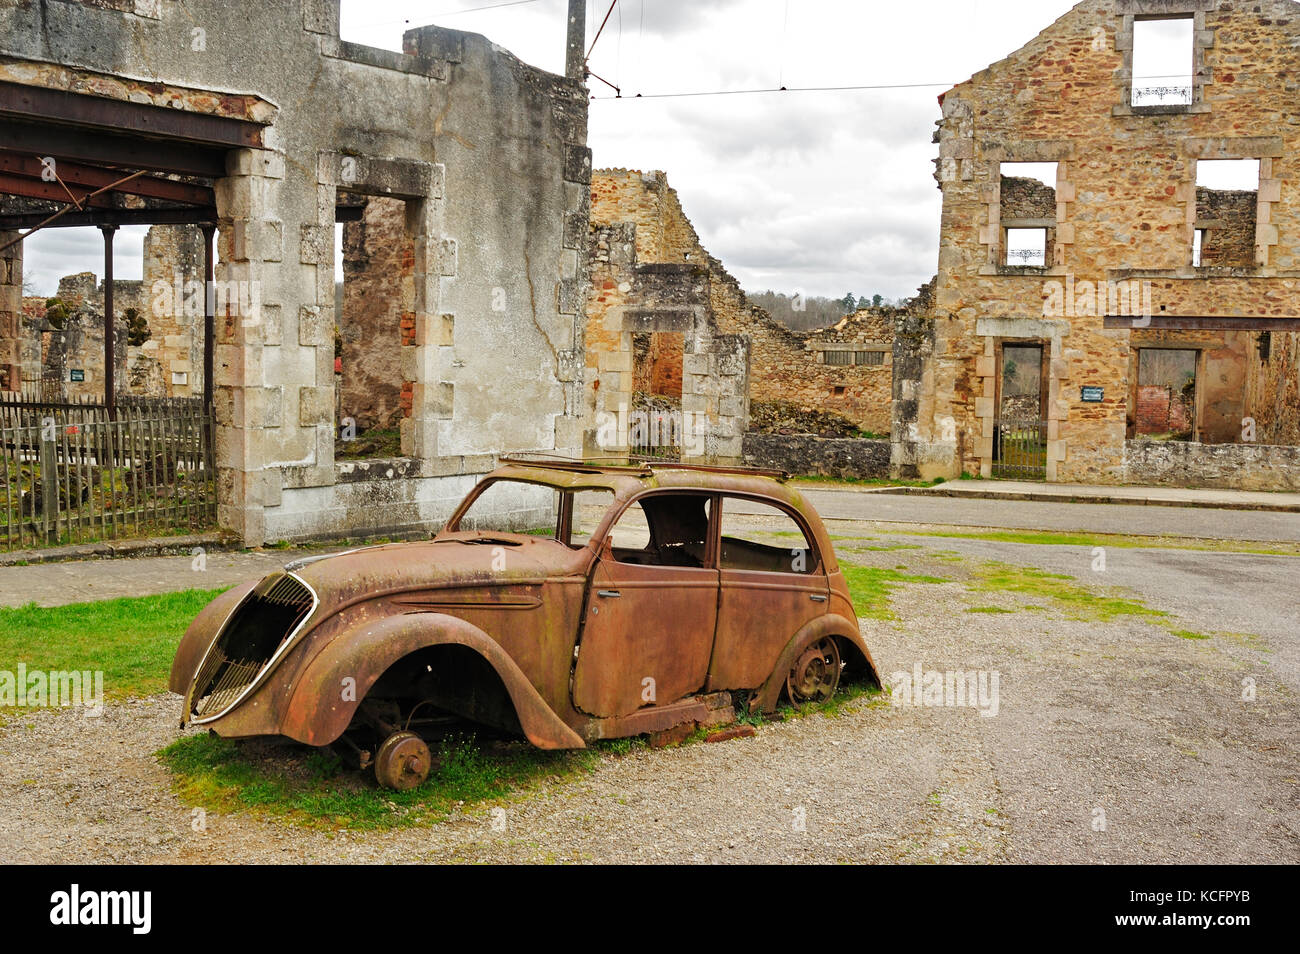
(800, 313)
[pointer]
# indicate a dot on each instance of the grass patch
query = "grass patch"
(991, 610)
(871, 588)
(314, 788)
(1062, 592)
(131, 639)
(847, 698)
(1189, 634)
(1116, 540)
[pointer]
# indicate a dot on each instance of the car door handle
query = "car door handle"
(608, 594)
(818, 599)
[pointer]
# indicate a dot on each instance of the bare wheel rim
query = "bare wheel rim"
(402, 762)
(816, 673)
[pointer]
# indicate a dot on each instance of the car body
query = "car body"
(653, 595)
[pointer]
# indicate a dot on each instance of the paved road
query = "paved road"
(1033, 515)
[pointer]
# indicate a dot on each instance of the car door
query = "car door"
(772, 582)
(651, 608)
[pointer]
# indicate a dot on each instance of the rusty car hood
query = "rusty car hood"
(453, 561)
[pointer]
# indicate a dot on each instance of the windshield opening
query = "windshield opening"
(517, 506)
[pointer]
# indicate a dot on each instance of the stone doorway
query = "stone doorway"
(1020, 433)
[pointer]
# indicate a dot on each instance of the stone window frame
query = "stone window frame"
(1268, 192)
(992, 234)
(420, 185)
(1128, 13)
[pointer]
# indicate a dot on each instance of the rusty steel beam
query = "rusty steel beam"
(39, 104)
(1202, 323)
(63, 142)
(35, 189)
(76, 174)
(97, 217)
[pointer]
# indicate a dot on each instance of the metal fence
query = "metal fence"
(73, 473)
(1020, 449)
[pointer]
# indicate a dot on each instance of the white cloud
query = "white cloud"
(819, 191)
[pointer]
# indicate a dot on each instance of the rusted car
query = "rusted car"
(564, 601)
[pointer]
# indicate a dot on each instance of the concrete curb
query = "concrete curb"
(117, 549)
(1046, 497)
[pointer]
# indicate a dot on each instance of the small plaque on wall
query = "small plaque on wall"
(77, 375)
(1092, 395)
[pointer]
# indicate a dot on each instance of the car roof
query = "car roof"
(628, 477)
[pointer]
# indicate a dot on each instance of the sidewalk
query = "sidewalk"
(1094, 494)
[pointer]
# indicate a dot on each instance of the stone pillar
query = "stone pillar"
(575, 58)
(252, 247)
(11, 308)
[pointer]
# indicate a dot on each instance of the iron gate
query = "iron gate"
(1020, 449)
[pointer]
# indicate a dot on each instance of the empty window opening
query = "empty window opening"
(1027, 247)
(374, 320)
(1028, 213)
(664, 530)
(759, 536)
(1227, 199)
(1163, 62)
(657, 362)
(1166, 394)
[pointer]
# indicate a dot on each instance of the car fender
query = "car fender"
(829, 625)
(317, 712)
(200, 634)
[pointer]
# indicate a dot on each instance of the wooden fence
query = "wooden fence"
(70, 474)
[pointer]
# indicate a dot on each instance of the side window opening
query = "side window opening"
(759, 536)
(664, 530)
(1028, 213)
(1227, 201)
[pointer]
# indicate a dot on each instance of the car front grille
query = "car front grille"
(252, 640)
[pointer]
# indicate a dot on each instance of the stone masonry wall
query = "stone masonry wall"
(1228, 218)
(1224, 466)
(845, 458)
(1127, 208)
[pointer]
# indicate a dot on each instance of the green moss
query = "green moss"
(315, 789)
(871, 588)
(1062, 593)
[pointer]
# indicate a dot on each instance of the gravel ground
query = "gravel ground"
(1114, 743)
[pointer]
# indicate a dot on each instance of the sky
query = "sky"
(819, 192)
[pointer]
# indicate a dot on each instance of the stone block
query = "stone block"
(315, 405)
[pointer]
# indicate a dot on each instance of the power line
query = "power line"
(820, 89)
(446, 13)
(490, 6)
(782, 89)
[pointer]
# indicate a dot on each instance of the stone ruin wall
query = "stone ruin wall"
(785, 367)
